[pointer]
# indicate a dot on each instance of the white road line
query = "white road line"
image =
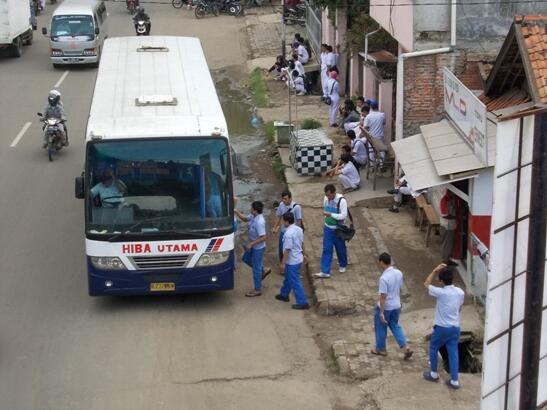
(58, 83)
(20, 135)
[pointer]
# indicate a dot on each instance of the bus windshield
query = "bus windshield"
(74, 27)
(166, 185)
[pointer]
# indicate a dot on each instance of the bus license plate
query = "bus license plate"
(162, 287)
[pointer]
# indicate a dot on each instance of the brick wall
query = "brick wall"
(423, 93)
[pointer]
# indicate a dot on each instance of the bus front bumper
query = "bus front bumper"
(157, 282)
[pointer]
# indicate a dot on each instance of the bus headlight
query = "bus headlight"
(216, 258)
(107, 263)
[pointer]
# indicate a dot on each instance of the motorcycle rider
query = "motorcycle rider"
(54, 109)
(142, 15)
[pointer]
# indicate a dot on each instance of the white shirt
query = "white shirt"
(111, 193)
(330, 59)
(303, 55)
(390, 284)
(296, 210)
(351, 172)
(293, 240)
(323, 58)
(298, 84)
(359, 151)
(375, 122)
(337, 215)
(257, 228)
(449, 302)
(332, 89)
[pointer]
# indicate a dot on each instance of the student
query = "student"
(303, 55)
(297, 83)
(335, 210)
(350, 116)
(279, 64)
(254, 250)
(334, 94)
(324, 71)
(446, 331)
(287, 204)
(291, 262)
(348, 176)
(358, 149)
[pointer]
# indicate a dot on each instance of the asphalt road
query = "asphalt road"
(60, 348)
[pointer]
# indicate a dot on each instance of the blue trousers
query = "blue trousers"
(292, 282)
(330, 240)
(280, 246)
(380, 329)
(254, 258)
(449, 337)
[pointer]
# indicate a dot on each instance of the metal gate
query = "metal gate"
(314, 28)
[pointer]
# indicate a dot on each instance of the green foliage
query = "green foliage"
(310, 124)
(278, 168)
(354, 7)
(258, 87)
(355, 36)
(269, 130)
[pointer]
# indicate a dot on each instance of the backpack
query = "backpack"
(301, 220)
(344, 232)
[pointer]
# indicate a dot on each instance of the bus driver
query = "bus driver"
(109, 192)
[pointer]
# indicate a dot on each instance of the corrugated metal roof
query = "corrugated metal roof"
(512, 97)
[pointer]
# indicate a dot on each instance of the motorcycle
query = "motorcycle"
(131, 6)
(296, 15)
(205, 7)
(231, 7)
(37, 6)
(53, 134)
(142, 27)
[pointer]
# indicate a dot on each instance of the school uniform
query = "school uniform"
(303, 55)
(293, 241)
(391, 281)
(446, 331)
(254, 257)
(349, 178)
(282, 209)
(334, 93)
(329, 233)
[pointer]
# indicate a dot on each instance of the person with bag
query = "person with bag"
(254, 250)
(287, 205)
(333, 98)
(335, 210)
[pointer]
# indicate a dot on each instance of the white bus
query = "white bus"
(157, 182)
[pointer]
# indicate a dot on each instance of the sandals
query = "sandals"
(408, 354)
(378, 352)
(253, 293)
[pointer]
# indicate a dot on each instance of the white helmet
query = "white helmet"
(54, 97)
(54, 93)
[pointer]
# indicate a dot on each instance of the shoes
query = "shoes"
(282, 298)
(393, 209)
(342, 269)
(301, 307)
(429, 378)
(322, 275)
(451, 385)
(253, 293)
(393, 191)
(334, 125)
(266, 272)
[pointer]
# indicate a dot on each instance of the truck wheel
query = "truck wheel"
(17, 48)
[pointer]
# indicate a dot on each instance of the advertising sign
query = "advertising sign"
(468, 113)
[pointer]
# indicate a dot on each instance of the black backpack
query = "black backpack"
(308, 86)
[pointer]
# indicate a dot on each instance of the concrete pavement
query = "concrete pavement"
(61, 349)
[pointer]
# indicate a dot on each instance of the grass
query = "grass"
(310, 124)
(258, 87)
(278, 168)
(269, 130)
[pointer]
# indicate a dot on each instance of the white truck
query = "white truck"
(15, 26)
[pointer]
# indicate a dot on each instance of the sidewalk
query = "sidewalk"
(344, 303)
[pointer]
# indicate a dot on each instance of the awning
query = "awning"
(419, 168)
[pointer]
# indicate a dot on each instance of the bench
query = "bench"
(375, 149)
(421, 201)
(431, 221)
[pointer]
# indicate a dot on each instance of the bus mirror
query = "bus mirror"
(235, 162)
(97, 30)
(79, 187)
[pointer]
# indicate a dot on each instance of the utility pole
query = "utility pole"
(283, 28)
(535, 269)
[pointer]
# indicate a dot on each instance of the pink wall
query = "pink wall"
(328, 35)
(354, 76)
(402, 20)
(370, 83)
(385, 100)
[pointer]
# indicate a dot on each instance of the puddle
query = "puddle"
(248, 142)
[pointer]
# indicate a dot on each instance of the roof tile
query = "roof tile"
(534, 31)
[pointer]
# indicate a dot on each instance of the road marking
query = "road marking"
(58, 83)
(20, 135)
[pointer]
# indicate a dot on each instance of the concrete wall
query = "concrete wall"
(354, 76)
(431, 18)
(385, 100)
(401, 18)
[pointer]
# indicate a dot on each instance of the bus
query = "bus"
(157, 181)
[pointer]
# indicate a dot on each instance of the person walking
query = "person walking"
(254, 250)
(446, 331)
(286, 205)
(291, 262)
(388, 308)
(335, 210)
(334, 95)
